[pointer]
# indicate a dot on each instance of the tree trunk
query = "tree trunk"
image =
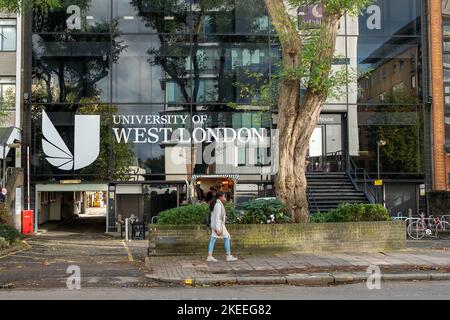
(298, 119)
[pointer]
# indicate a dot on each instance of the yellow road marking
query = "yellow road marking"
(130, 256)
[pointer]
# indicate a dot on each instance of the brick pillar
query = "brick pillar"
(437, 80)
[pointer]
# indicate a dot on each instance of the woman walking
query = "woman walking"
(218, 228)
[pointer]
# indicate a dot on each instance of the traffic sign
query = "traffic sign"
(4, 191)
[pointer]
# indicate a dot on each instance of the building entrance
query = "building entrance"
(326, 147)
(73, 208)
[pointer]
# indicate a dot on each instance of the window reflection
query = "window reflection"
(71, 69)
(137, 77)
(401, 128)
(189, 56)
(94, 16)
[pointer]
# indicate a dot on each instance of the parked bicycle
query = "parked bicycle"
(434, 227)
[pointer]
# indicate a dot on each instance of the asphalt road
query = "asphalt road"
(393, 290)
(102, 261)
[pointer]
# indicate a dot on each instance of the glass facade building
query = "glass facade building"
(144, 59)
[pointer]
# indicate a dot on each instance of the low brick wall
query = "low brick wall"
(261, 239)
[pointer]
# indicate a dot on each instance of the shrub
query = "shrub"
(255, 212)
(233, 216)
(264, 211)
(3, 243)
(8, 233)
(353, 213)
(184, 215)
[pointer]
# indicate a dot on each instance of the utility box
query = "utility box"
(27, 221)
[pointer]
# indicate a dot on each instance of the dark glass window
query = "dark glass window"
(379, 64)
(138, 73)
(154, 57)
(401, 128)
(71, 69)
(76, 16)
(387, 18)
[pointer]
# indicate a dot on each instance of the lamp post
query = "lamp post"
(380, 144)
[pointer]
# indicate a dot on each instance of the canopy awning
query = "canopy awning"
(215, 176)
(7, 137)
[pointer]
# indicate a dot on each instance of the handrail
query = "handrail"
(312, 201)
(328, 162)
(354, 172)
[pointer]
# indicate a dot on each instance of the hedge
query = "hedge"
(255, 212)
(353, 213)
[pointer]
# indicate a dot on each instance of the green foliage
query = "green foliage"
(353, 213)
(185, 215)
(23, 5)
(400, 126)
(264, 212)
(233, 215)
(255, 212)
(8, 233)
(339, 7)
(3, 243)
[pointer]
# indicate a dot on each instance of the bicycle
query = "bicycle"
(430, 227)
(440, 225)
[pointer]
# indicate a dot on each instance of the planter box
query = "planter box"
(262, 239)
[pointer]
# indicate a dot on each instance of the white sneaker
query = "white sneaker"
(231, 259)
(211, 259)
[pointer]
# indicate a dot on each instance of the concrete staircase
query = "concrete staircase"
(326, 191)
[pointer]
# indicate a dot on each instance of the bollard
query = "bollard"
(126, 230)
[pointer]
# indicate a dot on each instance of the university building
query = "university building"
(110, 89)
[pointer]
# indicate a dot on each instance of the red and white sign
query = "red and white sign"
(4, 191)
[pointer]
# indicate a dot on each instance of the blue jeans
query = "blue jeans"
(212, 242)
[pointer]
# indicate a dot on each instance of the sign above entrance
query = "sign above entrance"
(70, 181)
(330, 119)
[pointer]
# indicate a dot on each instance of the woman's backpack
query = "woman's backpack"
(208, 220)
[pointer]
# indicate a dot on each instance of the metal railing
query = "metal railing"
(330, 162)
(312, 202)
(360, 176)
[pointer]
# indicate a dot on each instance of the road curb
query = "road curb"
(304, 280)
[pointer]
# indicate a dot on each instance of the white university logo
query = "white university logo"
(87, 143)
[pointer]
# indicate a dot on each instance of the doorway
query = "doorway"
(326, 147)
(76, 209)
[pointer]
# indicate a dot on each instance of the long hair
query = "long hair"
(213, 202)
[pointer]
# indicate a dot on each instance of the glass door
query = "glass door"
(316, 149)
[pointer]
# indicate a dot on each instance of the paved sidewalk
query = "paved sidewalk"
(320, 269)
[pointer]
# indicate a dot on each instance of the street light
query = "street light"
(380, 144)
